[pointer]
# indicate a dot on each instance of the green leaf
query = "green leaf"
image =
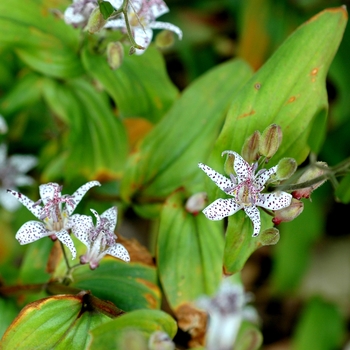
(320, 327)
(146, 321)
(106, 9)
(130, 286)
(8, 312)
(96, 146)
(189, 253)
(167, 158)
(140, 87)
(59, 322)
(42, 41)
(342, 192)
(249, 337)
(289, 90)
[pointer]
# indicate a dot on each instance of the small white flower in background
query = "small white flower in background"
(3, 125)
(79, 12)
(142, 15)
(245, 188)
(12, 175)
(55, 214)
(160, 341)
(100, 238)
(226, 312)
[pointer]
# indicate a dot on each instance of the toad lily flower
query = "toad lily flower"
(142, 15)
(245, 188)
(56, 219)
(99, 239)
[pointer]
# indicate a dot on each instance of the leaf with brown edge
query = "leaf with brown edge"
(60, 322)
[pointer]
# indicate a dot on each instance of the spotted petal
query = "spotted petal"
(64, 237)
(81, 226)
(221, 208)
(242, 168)
(220, 180)
(118, 251)
(31, 231)
(264, 176)
(49, 191)
(79, 194)
(167, 26)
(254, 215)
(111, 215)
(158, 8)
(28, 203)
(274, 201)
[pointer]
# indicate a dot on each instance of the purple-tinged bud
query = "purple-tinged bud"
(165, 39)
(311, 173)
(290, 213)
(286, 168)
(270, 140)
(115, 54)
(196, 203)
(96, 21)
(250, 149)
(269, 237)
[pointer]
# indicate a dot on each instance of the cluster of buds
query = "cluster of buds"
(248, 179)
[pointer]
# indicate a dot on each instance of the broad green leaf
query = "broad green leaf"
(289, 90)
(189, 253)
(60, 322)
(8, 312)
(320, 327)
(167, 158)
(140, 87)
(130, 286)
(96, 146)
(343, 190)
(109, 334)
(41, 40)
(106, 8)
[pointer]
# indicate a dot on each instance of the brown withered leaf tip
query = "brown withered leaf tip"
(194, 322)
(137, 252)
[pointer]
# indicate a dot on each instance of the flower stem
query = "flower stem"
(65, 256)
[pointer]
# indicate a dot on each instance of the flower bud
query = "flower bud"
(96, 21)
(165, 39)
(250, 149)
(196, 203)
(270, 236)
(229, 163)
(290, 213)
(115, 54)
(270, 141)
(310, 173)
(286, 168)
(160, 341)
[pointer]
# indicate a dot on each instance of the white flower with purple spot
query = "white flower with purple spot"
(246, 189)
(142, 15)
(79, 12)
(100, 238)
(55, 214)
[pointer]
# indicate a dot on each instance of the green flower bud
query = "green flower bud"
(270, 141)
(269, 237)
(196, 203)
(165, 39)
(286, 168)
(250, 149)
(115, 54)
(132, 339)
(96, 21)
(310, 174)
(290, 213)
(229, 162)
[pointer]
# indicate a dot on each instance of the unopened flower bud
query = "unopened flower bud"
(250, 149)
(270, 140)
(269, 237)
(229, 163)
(311, 173)
(196, 203)
(165, 39)
(286, 168)
(290, 213)
(96, 21)
(160, 341)
(115, 54)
